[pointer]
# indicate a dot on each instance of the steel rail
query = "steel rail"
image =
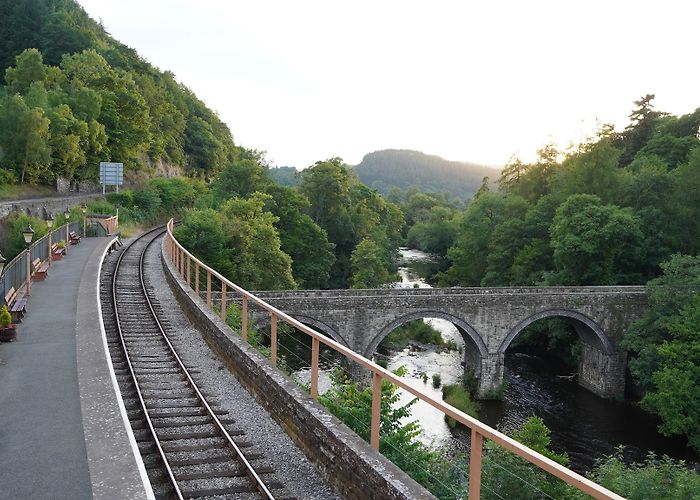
(479, 430)
(249, 470)
(259, 484)
(139, 394)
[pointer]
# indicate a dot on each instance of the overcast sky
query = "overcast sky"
(306, 81)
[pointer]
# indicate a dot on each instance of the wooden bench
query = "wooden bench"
(56, 252)
(16, 303)
(74, 238)
(41, 269)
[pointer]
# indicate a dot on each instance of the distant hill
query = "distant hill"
(403, 168)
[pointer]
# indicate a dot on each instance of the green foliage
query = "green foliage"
(665, 348)
(458, 396)
(5, 317)
(369, 268)
(418, 331)
(241, 242)
(397, 441)
(437, 380)
(88, 98)
(652, 479)
(11, 227)
(301, 238)
(505, 475)
(351, 214)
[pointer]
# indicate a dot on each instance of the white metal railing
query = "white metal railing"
(184, 263)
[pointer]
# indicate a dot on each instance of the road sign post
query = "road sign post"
(111, 174)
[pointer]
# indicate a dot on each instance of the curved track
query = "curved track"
(190, 448)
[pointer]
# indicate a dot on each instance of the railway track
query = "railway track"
(190, 447)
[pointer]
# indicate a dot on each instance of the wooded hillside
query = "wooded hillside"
(72, 96)
(403, 168)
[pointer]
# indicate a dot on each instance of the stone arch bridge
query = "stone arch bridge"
(488, 319)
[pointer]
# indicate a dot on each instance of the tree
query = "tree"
(369, 267)
(594, 244)
(469, 254)
(29, 68)
(665, 348)
(301, 238)
(327, 186)
(24, 136)
(241, 178)
(256, 256)
(643, 121)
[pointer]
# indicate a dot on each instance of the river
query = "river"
(582, 424)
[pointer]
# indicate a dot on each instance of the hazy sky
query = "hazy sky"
(306, 80)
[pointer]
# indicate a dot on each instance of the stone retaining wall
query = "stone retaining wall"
(346, 460)
(35, 207)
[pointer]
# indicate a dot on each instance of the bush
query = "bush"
(418, 331)
(437, 380)
(458, 396)
(5, 317)
(664, 478)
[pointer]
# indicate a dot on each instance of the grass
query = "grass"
(458, 396)
(10, 192)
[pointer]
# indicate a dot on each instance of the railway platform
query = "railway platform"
(62, 428)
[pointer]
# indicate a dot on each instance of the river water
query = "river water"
(583, 425)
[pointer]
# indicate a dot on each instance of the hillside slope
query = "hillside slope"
(84, 97)
(401, 168)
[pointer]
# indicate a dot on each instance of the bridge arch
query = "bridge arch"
(588, 330)
(467, 331)
(313, 323)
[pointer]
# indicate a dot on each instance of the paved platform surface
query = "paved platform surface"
(62, 433)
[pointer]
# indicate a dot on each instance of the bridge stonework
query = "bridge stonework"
(489, 319)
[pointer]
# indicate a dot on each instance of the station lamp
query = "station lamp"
(28, 235)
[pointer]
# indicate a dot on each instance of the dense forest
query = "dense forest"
(404, 169)
(72, 96)
(620, 209)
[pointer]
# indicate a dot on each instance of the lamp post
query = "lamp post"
(49, 223)
(83, 208)
(66, 214)
(28, 234)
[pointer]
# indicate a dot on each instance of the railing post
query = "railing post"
(196, 278)
(188, 269)
(223, 301)
(208, 287)
(244, 318)
(314, 367)
(376, 410)
(273, 339)
(475, 465)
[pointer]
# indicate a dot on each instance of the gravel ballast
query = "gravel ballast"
(292, 468)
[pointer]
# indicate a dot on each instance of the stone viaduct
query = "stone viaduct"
(488, 319)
